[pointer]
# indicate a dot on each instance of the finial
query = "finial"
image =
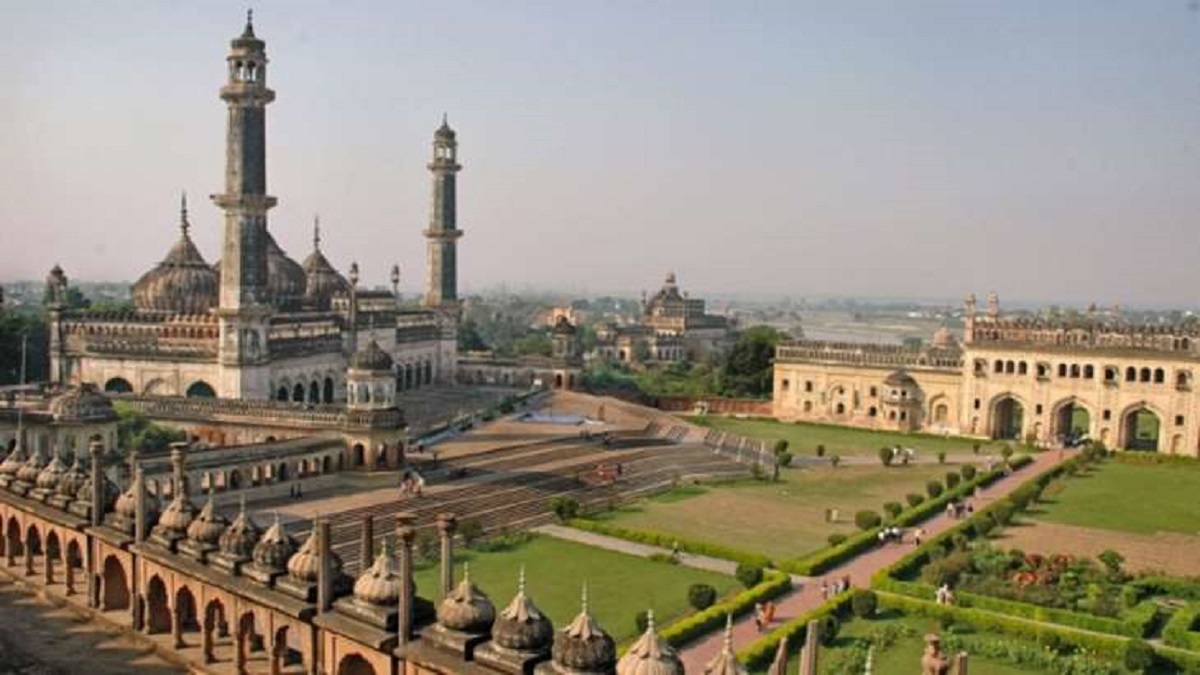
(183, 217)
(242, 504)
(584, 602)
(466, 572)
(250, 17)
(316, 232)
(444, 122)
(650, 621)
(521, 580)
(729, 632)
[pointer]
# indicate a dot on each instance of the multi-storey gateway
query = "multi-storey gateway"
(1017, 378)
(258, 325)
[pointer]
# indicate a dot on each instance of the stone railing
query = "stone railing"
(262, 412)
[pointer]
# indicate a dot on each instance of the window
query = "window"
(872, 411)
(998, 367)
(1179, 420)
(1160, 376)
(808, 406)
(1022, 368)
(903, 415)
(977, 404)
(808, 387)
(784, 386)
(1043, 370)
(1183, 379)
(980, 366)
(1107, 415)
(1075, 370)
(841, 408)
(1131, 374)
(1089, 372)
(1037, 409)
(1145, 375)
(1110, 374)
(874, 392)
(1010, 367)
(1062, 370)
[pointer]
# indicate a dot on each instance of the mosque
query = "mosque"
(258, 325)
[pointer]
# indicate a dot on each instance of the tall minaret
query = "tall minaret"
(442, 290)
(243, 310)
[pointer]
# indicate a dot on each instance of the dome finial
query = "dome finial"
(650, 621)
(183, 216)
(250, 21)
(521, 580)
(584, 600)
(466, 572)
(316, 232)
(445, 121)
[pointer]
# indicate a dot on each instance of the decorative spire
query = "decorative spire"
(650, 621)
(249, 32)
(316, 232)
(584, 602)
(521, 581)
(726, 663)
(183, 216)
(445, 123)
(728, 642)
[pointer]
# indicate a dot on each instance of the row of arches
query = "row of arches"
(414, 375)
(1139, 427)
(1087, 371)
(160, 387)
(314, 392)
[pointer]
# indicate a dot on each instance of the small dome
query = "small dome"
(583, 645)
(466, 609)
(109, 495)
(323, 282)
(183, 283)
(276, 547)
(13, 463)
(127, 503)
(650, 655)
(28, 472)
(380, 584)
(239, 538)
(47, 478)
(371, 358)
(563, 326)
(178, 515)
(209, 525)
(286, 281)
(521, 626)
(72, 479)
(444, 132)
(305, 565)
(84, 403)
(726, 663)
(900, 378)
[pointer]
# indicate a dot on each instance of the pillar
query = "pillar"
(10, 550)
(324, 574)
(241, 647)
(96, 452)
(206, 638)
(812, 644)
(178, 462)
(446, 523)
(49, 561)
(28, 558)
(960, 664)
(367, 541)
(405, 535)
(70, 572)
(177, 624)
(278, 649)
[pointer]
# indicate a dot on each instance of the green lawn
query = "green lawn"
(780, 520)
(1130, 498)
(803, 438)
(619, 585)
(904, 656)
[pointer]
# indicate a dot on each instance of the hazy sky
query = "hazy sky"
(1048, 150)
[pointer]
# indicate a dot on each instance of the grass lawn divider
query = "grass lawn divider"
(1179, 631)
(829, 557)
(758, 654)
(692, 626)
(687, 545)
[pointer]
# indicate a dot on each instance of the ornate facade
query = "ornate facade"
(1010, 377)
(258, 325)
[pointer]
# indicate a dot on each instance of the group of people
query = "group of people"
(944, 596)
(959, 510)
(411, 484)
(831, 590)
(764, 614)
(890, 534)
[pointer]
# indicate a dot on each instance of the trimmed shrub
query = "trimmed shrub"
(952, 480)
(641, 620)
(968, 472)
(885, 456)
(835, 460)
(866, 520)
(564, 508)
(1139, 656)
(749, 575)
(913, 498)
(830, 627)
(933, 488)
(704, 622)
(820, 451)
(701, 596)
(893, 509)
(863, 604)
(942, 457)
(836, 539)
(780, 447)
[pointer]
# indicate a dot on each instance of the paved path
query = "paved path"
(860, 569)
(699, 562)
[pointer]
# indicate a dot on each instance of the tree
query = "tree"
(469, 339)
(885, 456)
(748, 370)
(564, 508)
(701, 596)
(863, 604)
(866, 520)
(30, 328)
(136, 432)
(641, 352)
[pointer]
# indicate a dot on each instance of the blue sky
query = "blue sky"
(1047, 150)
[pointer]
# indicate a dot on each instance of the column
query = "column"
(49, 565)
(367, 541)
(177, 625)
(446, 523)
(206, 638)
(405, 535)
(960, 664)
(812, 643)
(70, 572)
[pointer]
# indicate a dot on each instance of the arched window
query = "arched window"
(118, 385)
(201, 389)
(1145, 375)
(1062, 370)
(1089, 372)
(1075, 370)
(1160, 376)
(1022, 368)
(328, 393)
(998, 367)
(1010, 367)
(298, 393)
(872, 411)
(1131, 374)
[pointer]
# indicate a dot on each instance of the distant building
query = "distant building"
(673, 327)
(1041, 380)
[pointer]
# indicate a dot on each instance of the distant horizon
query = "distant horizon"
(795, 150)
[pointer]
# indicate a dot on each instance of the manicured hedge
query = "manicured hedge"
(827, 558)
(693, 626)
(760, 652)
(1178, 631)
(694, 546)
(1184, 589)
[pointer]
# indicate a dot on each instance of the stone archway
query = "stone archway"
(53, 554)
(1141, 428)
(1070, 421)
(215, 625)
(118, 385)
(354, 665)
(74, 564)
(357, 457)
(116, 589)
(16, 544)
(1008, 417)
(187, 618)
(158, 614)
(201, 389)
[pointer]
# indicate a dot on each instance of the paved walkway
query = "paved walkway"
(699, 562)
(808, 596)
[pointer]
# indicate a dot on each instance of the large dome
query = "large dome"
(323, 282)
(286, 281)
(183, 283)
(83, 403)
